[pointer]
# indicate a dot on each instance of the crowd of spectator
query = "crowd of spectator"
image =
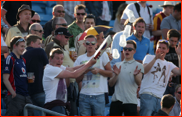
(144, 80)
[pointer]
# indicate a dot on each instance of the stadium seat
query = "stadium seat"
(158, 10)
(37, 9)
(48, 10)
(51, 3)
(44, 18)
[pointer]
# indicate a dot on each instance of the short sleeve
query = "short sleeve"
(148, 59)
(140, 66)
(51, 72)
(164, 24)
(105, 59)
(8, 64)
(63, 67)
(172, 66)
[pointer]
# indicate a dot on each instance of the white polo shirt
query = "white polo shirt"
(143, 13)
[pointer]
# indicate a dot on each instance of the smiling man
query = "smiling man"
(23, 16)
(128, 75)
(156, 77)
(143, 43)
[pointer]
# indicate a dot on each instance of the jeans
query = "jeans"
(149, 105)
(92, 105)
(38, 100)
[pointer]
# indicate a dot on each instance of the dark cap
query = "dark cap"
(22, 8)
(63, 31)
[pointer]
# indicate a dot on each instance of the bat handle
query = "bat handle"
(97, 56)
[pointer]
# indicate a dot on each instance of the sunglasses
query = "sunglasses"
(60, 11)
(179, 92)
(20, 40)
(40, 31)
(62, 24)
(66, 37)
(38, 21)
(80, 14)
(129, 49)
(163, 40)
(88, 42)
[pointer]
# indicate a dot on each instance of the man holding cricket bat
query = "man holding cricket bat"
(94, 81)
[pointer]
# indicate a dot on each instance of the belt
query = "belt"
(151, 94)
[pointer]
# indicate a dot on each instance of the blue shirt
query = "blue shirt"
(18, 75)
(36, 59)
(142, 47)
(115, 45)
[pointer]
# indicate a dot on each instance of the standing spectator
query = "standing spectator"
(173, 36)
(167, 103)
(77, 26)
(23, 16)
(89, 20)
(128, 75)
(143, 43)
(54, 81)
(102, 10)
(35, 18)
(9, 10)
(167, 10)
(36, 29)
(36, 60)
(145, 12)
(173, 21)
(115, 43)
(176, 109)
(157, 73)
(15, 79)
(117, 25)
(57, 11)
(94, 82)
(69, 9)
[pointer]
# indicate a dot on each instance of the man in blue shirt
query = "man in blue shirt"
(15, 79)
(36, 59)
(143, 43)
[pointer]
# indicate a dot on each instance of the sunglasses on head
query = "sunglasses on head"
(38, 21)
(59, 11)
(129, 49)
(163, 40)
(62, 24)
(40, 31)
(80, 13)
(179, 92)
(20, 40)
(88, 42)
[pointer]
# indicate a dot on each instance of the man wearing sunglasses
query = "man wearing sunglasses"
(15, 79)
(128, 75)
(156, 77)
(57, 11)
(94, 81)
(35, 18)
(57, 22)
(36, 29)
(77, 26)
(177, 106)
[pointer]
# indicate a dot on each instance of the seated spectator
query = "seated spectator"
(16, 82)
(9, 10)
(57, 11)
(23, 16)
(143, 43)
(167, 103)
(94, 81)
(77, 27)
(127, 73)
(167, 10)
(36, 29)
(173, 21)
(35, 18)
(54, 81)
(117, 24)
(177, 106)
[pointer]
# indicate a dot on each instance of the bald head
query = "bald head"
(59, 22)
(58, 11)
(36, 29)
(35, 18)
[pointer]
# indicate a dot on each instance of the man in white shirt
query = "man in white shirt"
(157, 73)
(94, 81)
(54, 83)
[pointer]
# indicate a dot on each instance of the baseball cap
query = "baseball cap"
(63, 31)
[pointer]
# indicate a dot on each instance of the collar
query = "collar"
(74, 25)
(131, 61)
(57, 44)
(136, 37)
(21, 28)
(14, 56)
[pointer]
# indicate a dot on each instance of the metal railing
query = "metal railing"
(43, 110)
